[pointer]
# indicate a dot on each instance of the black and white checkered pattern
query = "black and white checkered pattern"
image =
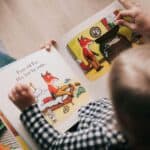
(96, 129)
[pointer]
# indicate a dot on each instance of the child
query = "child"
(98, 128)
(130, 90)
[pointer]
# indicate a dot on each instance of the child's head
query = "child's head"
(130, 91)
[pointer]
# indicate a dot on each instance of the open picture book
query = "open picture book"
(69, 77)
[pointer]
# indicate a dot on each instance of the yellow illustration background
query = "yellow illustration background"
(76, 49)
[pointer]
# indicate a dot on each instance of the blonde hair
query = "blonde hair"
(130, 91)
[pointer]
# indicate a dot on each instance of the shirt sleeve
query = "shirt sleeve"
(49, 138)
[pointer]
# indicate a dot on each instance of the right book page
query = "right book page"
(95, 43)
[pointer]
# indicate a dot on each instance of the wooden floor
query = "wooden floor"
(25, 24)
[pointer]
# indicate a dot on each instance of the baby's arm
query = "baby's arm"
(44, 134)
(139, 21)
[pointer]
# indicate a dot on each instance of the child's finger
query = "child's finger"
(48, 45)
(52, 42)
(42, 46)
(14, 95)
(13, 92)
(126, 3)
(27, 91)
(25, 87)
(19, 88)
(11, 97)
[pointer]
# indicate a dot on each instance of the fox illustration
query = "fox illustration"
(88, 54)
(54, 89)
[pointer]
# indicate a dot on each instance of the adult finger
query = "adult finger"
(127, 24)
(126, 13)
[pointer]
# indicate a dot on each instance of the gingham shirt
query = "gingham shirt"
(96, 129)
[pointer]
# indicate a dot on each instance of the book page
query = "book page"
(59, 94)
(91, 47)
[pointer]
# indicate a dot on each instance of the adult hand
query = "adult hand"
(139, 20)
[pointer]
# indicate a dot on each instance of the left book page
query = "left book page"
(58, 92)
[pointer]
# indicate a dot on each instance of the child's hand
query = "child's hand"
(139, 21)
(48, 45)
(22, 96)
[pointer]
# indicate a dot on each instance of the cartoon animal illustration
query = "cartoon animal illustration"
(61, 96)
(56, 90)
(85, 67)
(88, 54)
